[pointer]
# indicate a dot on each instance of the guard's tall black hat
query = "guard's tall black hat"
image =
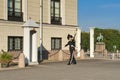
(69, 36)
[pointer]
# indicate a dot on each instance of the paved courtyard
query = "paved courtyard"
(84, 70)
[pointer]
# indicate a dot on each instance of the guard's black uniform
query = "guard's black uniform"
(71, 44)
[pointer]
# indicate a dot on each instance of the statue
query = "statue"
(100, 45)
(100, 38)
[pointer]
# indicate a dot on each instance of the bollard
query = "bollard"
(117, 54)
(82, 56)
(112, 56)
(105, 53)
(21, 63)
(60, 58)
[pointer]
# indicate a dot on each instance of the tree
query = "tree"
(111, 38)
(85, 41)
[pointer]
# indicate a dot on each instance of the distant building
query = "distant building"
(59, 19)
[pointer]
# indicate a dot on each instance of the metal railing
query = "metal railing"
(15, 16)
(56, 20)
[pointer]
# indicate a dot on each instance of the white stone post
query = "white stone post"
(91, 42)
(113, 56)
(78, 42)
(26, 47)
(34, 48)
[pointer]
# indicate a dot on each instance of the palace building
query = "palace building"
(59, 19)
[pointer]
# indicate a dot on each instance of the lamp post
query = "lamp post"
(41, 28)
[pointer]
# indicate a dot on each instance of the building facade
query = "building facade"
(59, 20)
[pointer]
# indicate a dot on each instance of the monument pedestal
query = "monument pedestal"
(100, 47)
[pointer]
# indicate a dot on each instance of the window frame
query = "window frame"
(13, 44)
(54, 18)
(53, 44)
(13, 13)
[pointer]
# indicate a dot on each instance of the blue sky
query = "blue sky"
(99, 13)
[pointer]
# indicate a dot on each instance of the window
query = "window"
(55, 12)
(15, 43)
(56, 43)
(15, 10)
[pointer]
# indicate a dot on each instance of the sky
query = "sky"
(99, 13)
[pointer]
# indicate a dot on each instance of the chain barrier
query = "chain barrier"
(54, 53)
(65, 52)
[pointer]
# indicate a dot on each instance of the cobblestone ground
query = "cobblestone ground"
(83, 70)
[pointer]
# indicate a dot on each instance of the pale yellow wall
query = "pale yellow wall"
(68, 11)
(9, 29)
(1, 9)
(46, 11)
(71, 12)
(33, 9)
(56, 31)
(14, 28)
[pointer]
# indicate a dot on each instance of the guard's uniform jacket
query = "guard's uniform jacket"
(71, 49)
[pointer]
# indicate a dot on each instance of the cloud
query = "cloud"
(110, 6)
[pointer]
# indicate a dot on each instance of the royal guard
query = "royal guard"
(71, 43)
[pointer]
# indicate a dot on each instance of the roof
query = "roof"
(30, 23)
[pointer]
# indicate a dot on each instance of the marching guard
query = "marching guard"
(71, 43)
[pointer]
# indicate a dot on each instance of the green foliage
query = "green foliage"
(5, 58)
(111, 38)
(85, 43)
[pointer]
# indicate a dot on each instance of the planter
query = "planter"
(5, 59)
(4, 65)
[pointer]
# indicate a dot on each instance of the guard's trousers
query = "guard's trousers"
(72, 59)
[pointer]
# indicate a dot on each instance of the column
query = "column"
(91, 42)
(34, 48)
(26, 45)
(78, 42)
